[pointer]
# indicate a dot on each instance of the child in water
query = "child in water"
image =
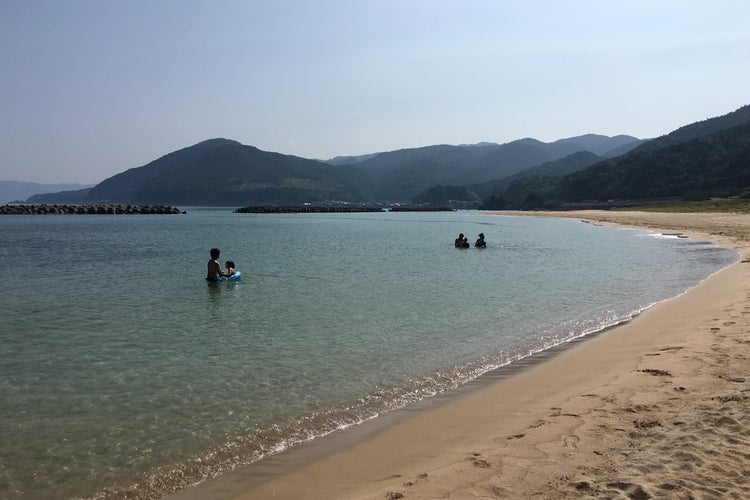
(230, 268)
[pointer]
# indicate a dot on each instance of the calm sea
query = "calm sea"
(121, 368)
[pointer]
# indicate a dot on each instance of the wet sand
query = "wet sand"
(656, 408)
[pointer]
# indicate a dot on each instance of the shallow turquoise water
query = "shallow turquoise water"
(120, 362)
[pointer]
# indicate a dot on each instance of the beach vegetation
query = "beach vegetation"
(733, 205)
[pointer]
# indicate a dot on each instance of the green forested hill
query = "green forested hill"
(697, 130)
(224, 172)
(714, 165)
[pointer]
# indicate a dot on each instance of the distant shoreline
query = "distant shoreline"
(296, 209)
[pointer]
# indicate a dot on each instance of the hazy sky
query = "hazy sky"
(90, 88)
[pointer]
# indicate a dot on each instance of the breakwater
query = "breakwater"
(87, 209)
(303, 209)
(310, 209)
(422, 209)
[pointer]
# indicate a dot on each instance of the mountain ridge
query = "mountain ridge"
(225, 172)
(11, 191)
(250, 175)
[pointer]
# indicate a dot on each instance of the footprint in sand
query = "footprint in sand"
(671, 348)
(584, 487)
(732, 379)
(655, 372)
(634, 491)
(479, 462)
(537, 424)
(482, 464)
(420, 478)
(646, 423)
(571, 441)
(388, 478)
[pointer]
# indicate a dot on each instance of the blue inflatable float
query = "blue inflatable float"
(235, 277)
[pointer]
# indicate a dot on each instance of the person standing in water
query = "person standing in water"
(459, 243)
(214, 267)
(480, 243)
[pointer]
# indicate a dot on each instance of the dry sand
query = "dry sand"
(656, 408)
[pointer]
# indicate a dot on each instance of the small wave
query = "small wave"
(254, 445)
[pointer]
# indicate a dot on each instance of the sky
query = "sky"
(91, 88)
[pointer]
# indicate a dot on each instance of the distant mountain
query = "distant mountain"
(601, 144)
(514, 157)
(224, 172)
(404, 174)
(63, 197)
(558, 168)
(20, 191)
(399, 175)
(508, 159)
(513, 187)
(348, 160)
(545, 177)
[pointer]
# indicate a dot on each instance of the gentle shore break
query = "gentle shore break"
(656, 408)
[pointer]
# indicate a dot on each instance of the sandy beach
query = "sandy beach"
(656, 408)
